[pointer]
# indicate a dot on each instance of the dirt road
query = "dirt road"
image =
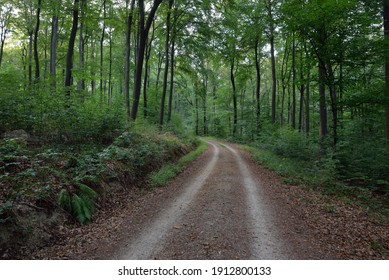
(220, 212)
(225, 206)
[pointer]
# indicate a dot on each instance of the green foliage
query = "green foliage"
(289, 143)
(5, 212)
(80, 205)
(169, 171)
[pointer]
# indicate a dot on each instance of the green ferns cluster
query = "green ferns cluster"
(80, 204)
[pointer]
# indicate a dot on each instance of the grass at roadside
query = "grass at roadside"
(321, 175)
(169, 171)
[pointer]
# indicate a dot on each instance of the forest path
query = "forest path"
(220, 212)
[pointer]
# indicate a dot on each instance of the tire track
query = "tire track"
(265, 243)
(151, 238)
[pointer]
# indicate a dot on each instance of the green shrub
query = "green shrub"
(80, 205)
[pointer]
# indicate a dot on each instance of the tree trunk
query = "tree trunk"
(171, 91)
(273, 60)
(93, 74)
(30, 43)
(386, 29)
(147, 72)
(205, 89)
(167, 56)
(141, 53)
(258, 87)
(36, 31)
(110, 71)
(293, 111)
(322, 103)
(69, 56)
(102, 50)
(81, 49)
(159, 69)
(4, 29)
(302, 89)
(234, 98)
(334, 102)
(53, 50)
(197, 114)
(127, 57)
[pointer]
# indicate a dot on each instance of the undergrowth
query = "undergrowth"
(356, 172)
(167, 172)
(71, 176)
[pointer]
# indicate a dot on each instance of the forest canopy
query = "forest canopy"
(304, 79)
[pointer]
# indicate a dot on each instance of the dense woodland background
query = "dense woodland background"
(304, 82)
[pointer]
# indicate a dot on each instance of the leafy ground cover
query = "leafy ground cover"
(43, 188)
(355, 172)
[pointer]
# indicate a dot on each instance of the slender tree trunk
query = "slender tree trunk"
(205, 89)
(30, 47)
(36, 31)
(293, 111)
(386, 29)
(307, 104)
(4, 30)
(102, 50)
(167, 56)
(147, 72)
(81, 49)
(197, 114)
(93, 74)
(234, 98)
(258, 86)
(273, 60)
(322, 103)
(141, 53)
(171, 91)
(127, 57)
(159, 69)
(53, 51)
(110, 71)
(307, 97)
(302, 89)
(69, 56)
(334, 102)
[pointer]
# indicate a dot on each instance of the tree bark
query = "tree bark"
(127, 57)
(167, 56)
(102, 49)
(36, 31)
(141, 53)
(273, 60)
(234, 98)
(258, 86)
(69, 56)
(4, 29)
(172, 53)
(53, 50)
(322, 103)
(147, 72)
(205, 89)
(293, 111)
(81, 49)
(386, 30)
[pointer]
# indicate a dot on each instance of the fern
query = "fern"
(63, 199)
(87, 191)
(77, 209)
(80, 205)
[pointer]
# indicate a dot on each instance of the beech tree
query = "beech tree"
(5, 18)
(70, 52)
(144, 27)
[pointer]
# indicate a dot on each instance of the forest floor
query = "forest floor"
(226, 206)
